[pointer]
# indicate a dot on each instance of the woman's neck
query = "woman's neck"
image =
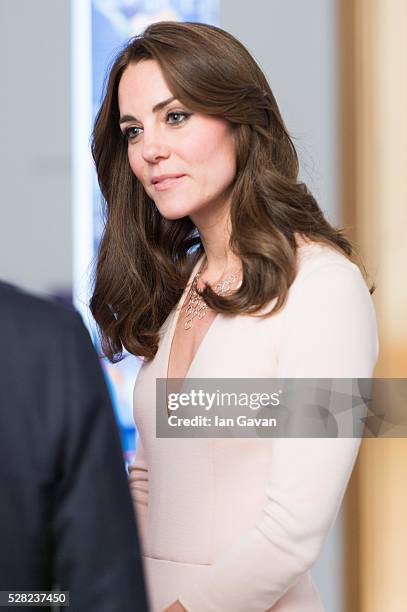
(219, 259)
(214, 230)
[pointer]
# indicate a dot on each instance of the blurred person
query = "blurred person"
(216, 262)
(66, 518)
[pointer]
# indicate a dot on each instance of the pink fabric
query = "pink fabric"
(234, 525)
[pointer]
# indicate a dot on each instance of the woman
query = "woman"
(207, 228)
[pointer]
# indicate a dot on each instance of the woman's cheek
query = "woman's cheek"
(135, 167)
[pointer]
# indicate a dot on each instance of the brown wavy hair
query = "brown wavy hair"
(145, 260)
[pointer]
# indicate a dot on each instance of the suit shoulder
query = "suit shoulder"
(32, 313)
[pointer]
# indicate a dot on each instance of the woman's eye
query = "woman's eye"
(174, 118)
(178, 117)
(131, 132)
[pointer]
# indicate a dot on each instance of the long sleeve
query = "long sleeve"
(138, 481)
(329, 330)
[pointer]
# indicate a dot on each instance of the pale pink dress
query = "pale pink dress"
(234, 525)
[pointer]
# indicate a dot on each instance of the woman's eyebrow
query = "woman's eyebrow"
(156, 108)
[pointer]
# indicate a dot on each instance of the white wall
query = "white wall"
(35, 186)
(295, 44)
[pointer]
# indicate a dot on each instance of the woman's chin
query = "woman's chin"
(174, 213)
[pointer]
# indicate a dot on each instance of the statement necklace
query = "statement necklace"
(197, 306)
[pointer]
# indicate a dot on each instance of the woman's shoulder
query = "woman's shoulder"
(327, 277)
(327, 284)
(328, 323)
(317, 258)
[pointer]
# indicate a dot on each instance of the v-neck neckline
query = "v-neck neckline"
(174, 322)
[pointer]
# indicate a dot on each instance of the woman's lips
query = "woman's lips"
(167, 183)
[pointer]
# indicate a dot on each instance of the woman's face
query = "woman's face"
(197, 151)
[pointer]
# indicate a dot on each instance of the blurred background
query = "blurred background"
(338, 69)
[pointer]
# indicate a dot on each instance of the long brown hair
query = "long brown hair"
(144, 260)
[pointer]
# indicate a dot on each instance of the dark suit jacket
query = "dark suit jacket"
(65, 512)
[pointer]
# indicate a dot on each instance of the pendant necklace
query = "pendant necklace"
(197, 306)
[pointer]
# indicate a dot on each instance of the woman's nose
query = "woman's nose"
(154, 147)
